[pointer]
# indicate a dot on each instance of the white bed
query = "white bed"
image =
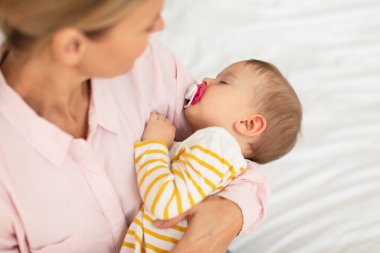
(326, 192)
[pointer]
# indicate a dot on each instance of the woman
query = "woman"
(69, 114)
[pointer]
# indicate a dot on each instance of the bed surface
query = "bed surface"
(326, 192)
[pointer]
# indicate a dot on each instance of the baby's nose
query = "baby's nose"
(207, 81)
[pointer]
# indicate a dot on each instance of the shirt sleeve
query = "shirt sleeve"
(204, 163)
(250, 191)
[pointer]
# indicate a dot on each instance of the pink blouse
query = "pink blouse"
(60, 194)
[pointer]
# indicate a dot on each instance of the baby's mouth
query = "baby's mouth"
(194, 94)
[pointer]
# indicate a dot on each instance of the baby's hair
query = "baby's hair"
(275, 99)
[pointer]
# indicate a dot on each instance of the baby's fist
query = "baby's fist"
(159, 128)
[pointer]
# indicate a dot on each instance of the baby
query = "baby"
(248, 112)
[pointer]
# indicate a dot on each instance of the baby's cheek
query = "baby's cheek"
(190, 112)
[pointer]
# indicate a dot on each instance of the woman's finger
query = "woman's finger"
(170, 223)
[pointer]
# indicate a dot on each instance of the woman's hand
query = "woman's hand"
(159, 128)
(213, 224)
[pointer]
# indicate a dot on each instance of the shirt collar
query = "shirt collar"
(46, 138)
(49, 140)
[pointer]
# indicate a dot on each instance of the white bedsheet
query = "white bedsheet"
(326, 192)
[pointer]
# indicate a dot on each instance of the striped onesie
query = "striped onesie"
(171, 182)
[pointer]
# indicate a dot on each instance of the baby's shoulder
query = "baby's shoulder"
(214, 138)
(211, 133)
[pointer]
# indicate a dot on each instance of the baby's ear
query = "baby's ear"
(251, 126)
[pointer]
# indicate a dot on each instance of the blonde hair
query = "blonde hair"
(276, 100)
(25, 21)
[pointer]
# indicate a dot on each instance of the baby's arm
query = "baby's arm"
(204, 163)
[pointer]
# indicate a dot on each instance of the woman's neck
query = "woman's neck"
(56, 93)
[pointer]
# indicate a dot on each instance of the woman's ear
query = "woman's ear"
(68, 46)
(251, 126)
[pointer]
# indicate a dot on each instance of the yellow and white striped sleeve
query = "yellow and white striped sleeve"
(202, 165)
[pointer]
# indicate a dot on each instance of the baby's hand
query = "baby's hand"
(159, 128)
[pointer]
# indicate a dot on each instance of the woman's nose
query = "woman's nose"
(160, 24)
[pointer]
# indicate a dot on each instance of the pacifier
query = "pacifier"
(194, 94)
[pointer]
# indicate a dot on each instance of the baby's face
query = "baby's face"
(228, 98)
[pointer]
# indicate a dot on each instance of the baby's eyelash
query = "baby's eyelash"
(223, 82)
